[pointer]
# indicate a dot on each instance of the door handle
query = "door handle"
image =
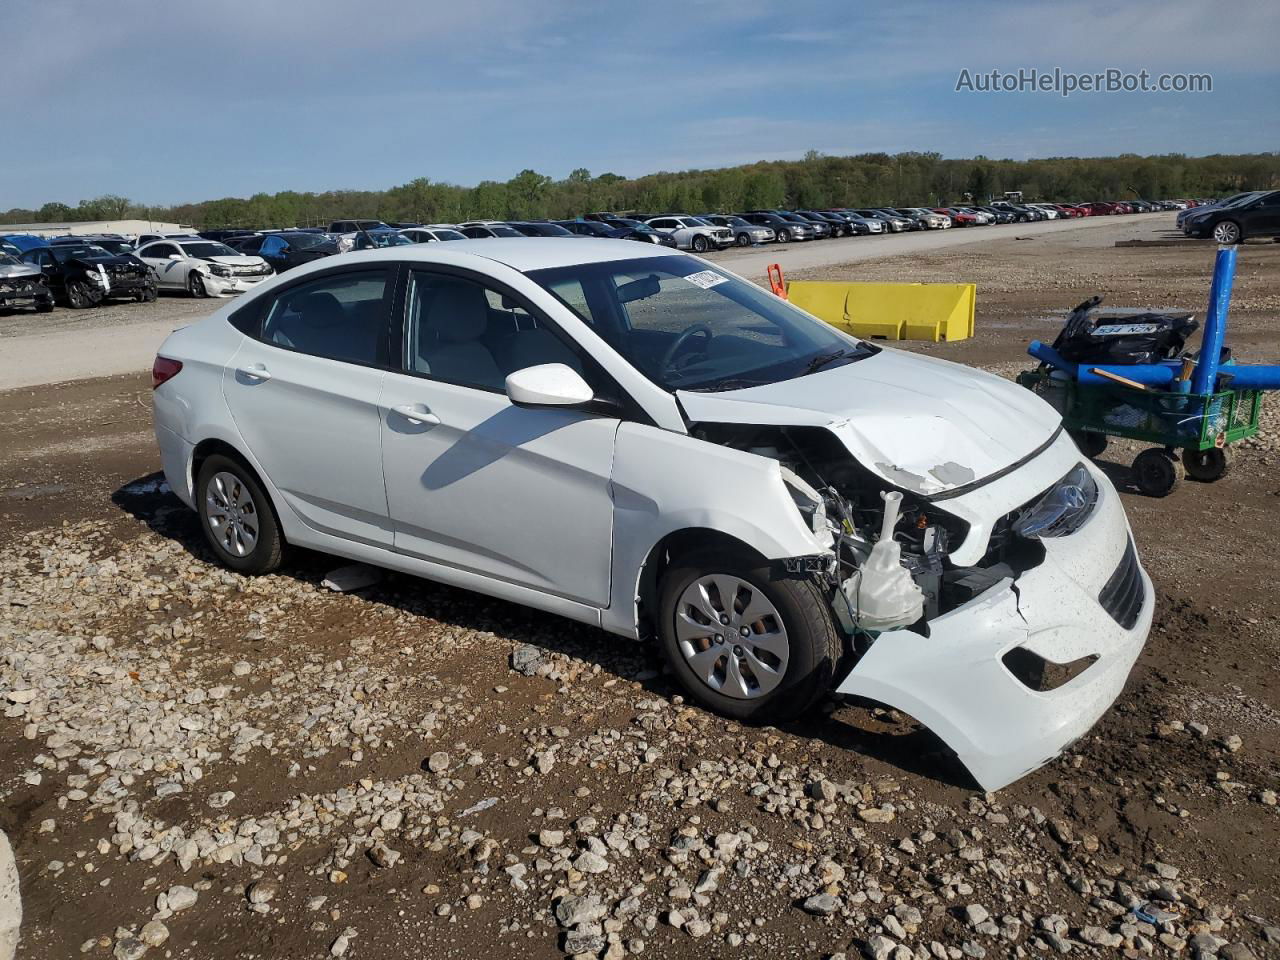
(254, 371)
(416, 413)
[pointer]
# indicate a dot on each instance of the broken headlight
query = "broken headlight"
(1062, 510)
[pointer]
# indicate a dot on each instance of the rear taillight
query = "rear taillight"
(163, 370)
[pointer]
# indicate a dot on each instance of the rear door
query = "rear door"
(303, 389)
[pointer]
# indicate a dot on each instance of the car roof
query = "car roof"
(522, 253)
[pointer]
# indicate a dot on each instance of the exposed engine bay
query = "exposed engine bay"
(891, 567)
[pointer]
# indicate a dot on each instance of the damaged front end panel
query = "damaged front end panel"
(981, 611)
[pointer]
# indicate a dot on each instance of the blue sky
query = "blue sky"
(172, 101)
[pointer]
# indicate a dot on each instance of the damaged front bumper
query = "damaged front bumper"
(1089, 598)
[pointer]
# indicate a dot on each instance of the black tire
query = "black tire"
(1156, 472)
(80, 297)
(782, 236)
(1091, 444)
(744, 240)
(700, 244)
(814, 645)
(44, 306)
(268, 547)
(149, 294)
(195, 285)
(1206, 466)
(1227, 231)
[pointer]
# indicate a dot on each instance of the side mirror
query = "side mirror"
(548, 385)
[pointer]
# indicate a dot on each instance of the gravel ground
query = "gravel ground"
(201, 765)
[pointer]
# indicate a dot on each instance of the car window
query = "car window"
(268, 246)
(338, 316)
(159, 250)
(463, 332)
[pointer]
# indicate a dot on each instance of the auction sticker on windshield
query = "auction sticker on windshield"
(705, 279)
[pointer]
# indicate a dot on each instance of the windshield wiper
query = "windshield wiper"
(738, 383)
(822, 359)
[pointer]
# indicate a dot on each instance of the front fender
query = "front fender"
(664, 482)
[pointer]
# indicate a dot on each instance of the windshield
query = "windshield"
(305, 241)
(688, 327)
(1246, 198)
(546, 230)
(115, 246)
(9, 260)
(69, 251)
(367, 241)
(208, 249)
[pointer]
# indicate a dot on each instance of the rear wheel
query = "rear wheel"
(236, 516)
(1206, 465)
(700, 244)
(1091, 444)
(745, 639)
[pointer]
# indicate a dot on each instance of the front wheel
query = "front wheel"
(236, 516)
(1228, 231)
(195, 285)
(700, 244)
(80, 296)
(744, 240)
(782, 236)
(1156, 472)
(745, 639)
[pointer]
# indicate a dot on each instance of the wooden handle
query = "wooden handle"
(1116, 378)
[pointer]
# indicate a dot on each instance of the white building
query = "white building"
(128, 228)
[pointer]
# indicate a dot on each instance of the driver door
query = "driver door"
(474, 482)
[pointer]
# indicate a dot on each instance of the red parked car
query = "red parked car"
(958, 217)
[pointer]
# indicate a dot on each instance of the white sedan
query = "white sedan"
(640, 440)
(203, 268)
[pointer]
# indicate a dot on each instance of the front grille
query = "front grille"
(1122, 594)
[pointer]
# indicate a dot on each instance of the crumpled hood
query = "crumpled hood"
(123, 260)
(922, 424)
(10, 270)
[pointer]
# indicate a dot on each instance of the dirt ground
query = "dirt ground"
(369, 775)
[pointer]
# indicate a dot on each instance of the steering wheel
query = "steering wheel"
(680, 341)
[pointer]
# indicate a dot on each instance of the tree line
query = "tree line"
(817, 181)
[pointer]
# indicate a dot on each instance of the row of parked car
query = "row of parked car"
(83, 271)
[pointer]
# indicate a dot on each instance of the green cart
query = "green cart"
(1200, 425)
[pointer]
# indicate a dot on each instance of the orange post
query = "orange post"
(776, 283)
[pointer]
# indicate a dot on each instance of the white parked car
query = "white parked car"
(203, 268)
(433, 234)
(639, 440)
(690, 233)
(1053, 213)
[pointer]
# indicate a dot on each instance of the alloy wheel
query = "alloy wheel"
(732, 636)
(1226, 232)
(232, 514)
(195, 285)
